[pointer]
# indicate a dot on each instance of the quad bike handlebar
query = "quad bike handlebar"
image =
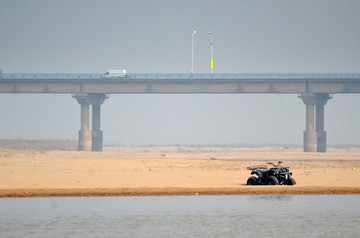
(278, 165)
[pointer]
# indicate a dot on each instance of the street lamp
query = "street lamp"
(211, 53)
(192, 51)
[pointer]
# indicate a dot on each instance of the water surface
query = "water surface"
(182, 216)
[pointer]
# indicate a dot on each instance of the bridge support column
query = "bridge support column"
(84, 143)
(96, 100)
(321, 100)
(310, 135)
(315, 137)
(90, 140)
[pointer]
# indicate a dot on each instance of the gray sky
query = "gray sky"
(155, 36)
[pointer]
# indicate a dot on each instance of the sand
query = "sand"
(124, 171)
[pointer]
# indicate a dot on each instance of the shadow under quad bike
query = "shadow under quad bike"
(276, 175)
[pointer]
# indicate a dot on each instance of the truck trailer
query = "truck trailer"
(115, 73)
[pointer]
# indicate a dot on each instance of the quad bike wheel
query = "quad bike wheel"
(252, 181)
(291, 181)
(272, 180)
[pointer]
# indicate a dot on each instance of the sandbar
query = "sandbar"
(139, 171)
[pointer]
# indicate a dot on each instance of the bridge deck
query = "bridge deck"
(182, 83)
(185, 75)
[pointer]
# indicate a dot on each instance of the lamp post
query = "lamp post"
(211, 53)
(192, 51)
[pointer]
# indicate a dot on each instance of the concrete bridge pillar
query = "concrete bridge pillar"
(96, 100)
(90, 140)
(84, 133)
(315, 136)
(321, 100)
(310, 135)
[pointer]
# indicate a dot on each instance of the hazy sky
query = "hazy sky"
(155, 36)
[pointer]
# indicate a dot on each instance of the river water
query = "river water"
(182, 216)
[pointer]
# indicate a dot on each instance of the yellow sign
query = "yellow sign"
(212, 64)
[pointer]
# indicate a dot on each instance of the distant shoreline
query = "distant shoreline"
(72, 145)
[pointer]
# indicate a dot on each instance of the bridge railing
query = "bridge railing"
(183, 76)
(51, 75)
(246, 76)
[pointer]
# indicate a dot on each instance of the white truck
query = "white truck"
(115, 73)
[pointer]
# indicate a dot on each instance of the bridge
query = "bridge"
(315, 89)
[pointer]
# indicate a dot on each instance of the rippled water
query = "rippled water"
(182, 216)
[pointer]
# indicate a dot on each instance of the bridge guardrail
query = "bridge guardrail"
(183, 75)
(51, 75)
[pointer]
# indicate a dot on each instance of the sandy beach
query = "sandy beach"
(174, 170)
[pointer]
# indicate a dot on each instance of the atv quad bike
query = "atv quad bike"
(276, 175)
